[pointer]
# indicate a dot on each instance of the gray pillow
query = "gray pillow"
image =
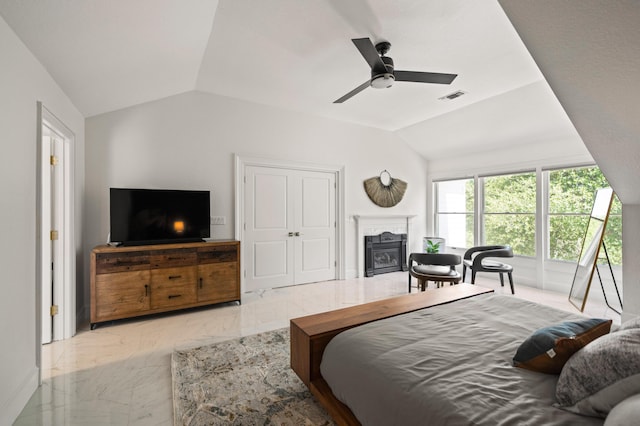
(600, 375)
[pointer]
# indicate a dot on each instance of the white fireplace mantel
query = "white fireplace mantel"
(375, 225)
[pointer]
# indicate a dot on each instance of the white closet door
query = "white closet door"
(289, 227)
(268, 222)
(315, 220)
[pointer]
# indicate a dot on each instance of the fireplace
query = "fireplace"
(385, 253)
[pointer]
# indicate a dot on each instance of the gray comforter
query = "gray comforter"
(447, 365)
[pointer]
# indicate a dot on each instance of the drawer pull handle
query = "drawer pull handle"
(146, 290)
(173, 296)
(200, 282)
(174, 277)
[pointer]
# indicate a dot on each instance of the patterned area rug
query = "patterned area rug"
(246, 381)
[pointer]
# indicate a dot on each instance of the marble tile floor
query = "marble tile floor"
(119, 373)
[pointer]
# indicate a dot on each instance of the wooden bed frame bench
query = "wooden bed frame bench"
(311, 334)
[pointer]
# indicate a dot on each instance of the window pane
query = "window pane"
(455, 196)
(503, 196)
(571, 196)
(516, 230)
(565, 236)
(510, 193)
(572, 190)
(456, 229)
(454, 207)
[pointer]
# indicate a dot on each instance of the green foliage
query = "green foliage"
(433, 247)
(518, 231)
(510, 193)
(571, 196)
(510, 212)
(572, 190)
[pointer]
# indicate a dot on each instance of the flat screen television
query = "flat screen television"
(158, 216)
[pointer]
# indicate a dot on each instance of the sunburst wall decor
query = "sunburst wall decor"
(384, 190)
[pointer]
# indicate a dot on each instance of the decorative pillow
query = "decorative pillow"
(625, 413)
(549, 348)
(632, 323)
(434, 270)
(601, 375)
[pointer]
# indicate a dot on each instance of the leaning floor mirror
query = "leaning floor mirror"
(591, 246)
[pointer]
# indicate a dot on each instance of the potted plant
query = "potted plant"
(433, 247)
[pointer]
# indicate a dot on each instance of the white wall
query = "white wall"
(188, 142)
(24, 82)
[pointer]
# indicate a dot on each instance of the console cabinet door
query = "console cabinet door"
(172, 287)
(121, 294)
(217, 282)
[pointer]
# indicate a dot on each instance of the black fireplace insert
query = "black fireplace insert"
(385, 253)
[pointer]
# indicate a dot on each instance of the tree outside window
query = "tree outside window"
(571, 195)
(509, 212)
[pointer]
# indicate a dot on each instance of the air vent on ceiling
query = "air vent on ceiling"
(453, 95)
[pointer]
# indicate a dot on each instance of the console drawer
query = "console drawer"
(172, 287)
(107, 263)
(222, 253)
(173, 257)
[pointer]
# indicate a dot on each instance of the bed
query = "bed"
(437, 357)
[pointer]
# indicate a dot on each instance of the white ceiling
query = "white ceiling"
(290, 54)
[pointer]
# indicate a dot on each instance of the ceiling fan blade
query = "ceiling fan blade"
(353, 92)
(424, 77)
(369, 52)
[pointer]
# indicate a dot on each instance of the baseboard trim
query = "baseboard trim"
(351, 273)
(11, 408)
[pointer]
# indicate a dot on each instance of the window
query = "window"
(507, 209)
(571, 193)
(455, 212)
(509, 212)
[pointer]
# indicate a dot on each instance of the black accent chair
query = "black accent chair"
(476, 259)
(437, 267)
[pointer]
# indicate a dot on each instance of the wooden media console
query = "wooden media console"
(141, 280)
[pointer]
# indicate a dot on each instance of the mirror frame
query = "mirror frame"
(590, 251)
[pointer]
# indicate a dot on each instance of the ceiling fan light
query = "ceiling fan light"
(383, 81)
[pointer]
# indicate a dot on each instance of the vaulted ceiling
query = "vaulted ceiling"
(298, 55)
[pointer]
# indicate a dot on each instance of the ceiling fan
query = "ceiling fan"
(382, 72)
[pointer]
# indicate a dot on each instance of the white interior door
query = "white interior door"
(315, 227)
(58, 235)
(46, 266)
(268, 213)
(289, 227)
(52, 234)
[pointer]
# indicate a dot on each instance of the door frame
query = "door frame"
(66, 300)
(242, 162)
